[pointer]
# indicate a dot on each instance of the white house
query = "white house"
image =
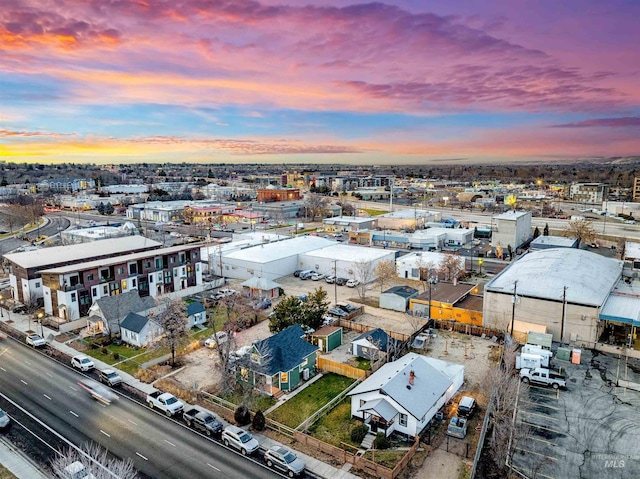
(403, 396)
(513, 228)
(139, 330)
(408, 266)
(196, 313)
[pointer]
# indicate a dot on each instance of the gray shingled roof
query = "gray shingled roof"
(117, 307)
(134, 322)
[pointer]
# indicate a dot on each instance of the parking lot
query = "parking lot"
(588, 430)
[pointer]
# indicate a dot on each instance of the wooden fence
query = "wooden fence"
(363, 328)
(469, 329)
(342, 369)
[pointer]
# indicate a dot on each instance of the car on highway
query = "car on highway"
(35, 340)
(82, 362)
(4, 419)
(98, 391)
(238, 438)
(352, 283)
(110, 377)
(284, 460)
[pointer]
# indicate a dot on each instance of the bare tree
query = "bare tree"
(504, 388)
(174, 322)
(96, 460)
(315, 205)
(428, 272)
(385, 271)
(364, 272)
(451, 267)
(582, 230)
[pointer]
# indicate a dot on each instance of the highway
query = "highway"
(33, 388)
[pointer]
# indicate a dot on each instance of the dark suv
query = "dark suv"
(341, 281)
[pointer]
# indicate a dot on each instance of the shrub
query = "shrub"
(259, 422)
(116, 356)
(381, 441)
(145, 375)
(104, 350)
(242, 415)
(359, 432)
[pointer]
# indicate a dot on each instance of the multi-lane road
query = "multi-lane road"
(42, 396)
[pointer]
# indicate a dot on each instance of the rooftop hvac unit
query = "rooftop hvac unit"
(305, 374)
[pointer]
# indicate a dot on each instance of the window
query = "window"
(124, 284)
(94, 292)
(158, 263)
(147, 264)
(133, 268)
(37, 284)
(403, 420)
(105, 289)
(172, 260)
(133, 283)
(73, 297)
(120, 270)
(90, 277)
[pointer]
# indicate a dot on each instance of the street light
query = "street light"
(480, 261)
(40, 316)
(1, 313)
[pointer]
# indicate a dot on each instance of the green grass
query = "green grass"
(387, 458)
(335, 428)
(363, 363)
(259, 402)
(309, 400)
(374, 212)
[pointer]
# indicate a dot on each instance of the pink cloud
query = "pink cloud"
(622, 122)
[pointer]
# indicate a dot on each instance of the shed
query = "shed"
(369, 345)
(327, 338)
(261, 288)
(397, 298)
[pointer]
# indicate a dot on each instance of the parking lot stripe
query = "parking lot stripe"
(537, 454)
(527, 413)
(541, 405)
(541, 427)
(542, 440)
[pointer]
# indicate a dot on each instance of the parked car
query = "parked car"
(82, 362)
(352, 283)
(35, 340)
(220, 337)
(337, 235)
(330, 279)
(203, 421)
(337, 312)
(466, 406)
(110, 377)
(297, 272)
(307, 274)
(420, 341)
(284, 460)
(238, 438)
(4, 419)
(341, 281)
(19, 309)
(166, 402)
(263, 304)
(349, 308)
(317, 277)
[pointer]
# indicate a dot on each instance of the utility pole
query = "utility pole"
(564, 310)
(335, 282)
(513, 307)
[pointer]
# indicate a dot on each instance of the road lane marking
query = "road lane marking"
(72, 388)
(142, 456)
(74, 414)
(36, 436)
(27, 362)
(132, 422)
(170, 443)
(24, 382)
(108, 435)
(48, 397)
(213, 467)
(3, 369)
(49, 374)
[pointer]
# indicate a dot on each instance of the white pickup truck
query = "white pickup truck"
(166, 402)
(543, 376)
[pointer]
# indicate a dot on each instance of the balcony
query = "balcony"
(75, 287)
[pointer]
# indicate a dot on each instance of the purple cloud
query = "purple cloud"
(621, 122)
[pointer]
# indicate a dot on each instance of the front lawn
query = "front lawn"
(259, 402)
(309, 400)
(335, 428)
(363, 363)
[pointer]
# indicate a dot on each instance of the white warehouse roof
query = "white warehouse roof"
(268, 252)
(349, 253)
(588, 276)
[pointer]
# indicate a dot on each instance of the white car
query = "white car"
(4, 419)
(220, 337)
(82, 362)
(352, 283)
(317, 276)
(35, 340)
(236, 437)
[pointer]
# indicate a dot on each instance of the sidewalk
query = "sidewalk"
(17, 462)
(21, 322)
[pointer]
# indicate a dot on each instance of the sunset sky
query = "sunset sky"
(408, 81)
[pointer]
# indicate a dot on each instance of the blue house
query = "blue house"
(196, 313)
(281, 362)
(372, 344)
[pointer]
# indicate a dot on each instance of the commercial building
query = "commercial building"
(513, 229)
(272, 194)
(592, 193)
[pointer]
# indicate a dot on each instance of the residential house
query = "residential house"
(404, 395)
(280, 362)
(139, 330)
(114, 309)
(197, 314)
(373, 344)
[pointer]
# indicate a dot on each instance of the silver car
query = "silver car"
(4, 419)
(283, 459)
(236, 437)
